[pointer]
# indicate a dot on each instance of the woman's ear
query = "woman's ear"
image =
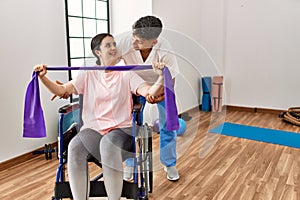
(98, 53)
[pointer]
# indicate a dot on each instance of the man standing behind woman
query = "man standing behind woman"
(145, 46)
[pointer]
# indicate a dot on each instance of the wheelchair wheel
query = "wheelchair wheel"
(147, 164)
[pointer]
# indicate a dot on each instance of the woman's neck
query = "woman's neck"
(110, 63)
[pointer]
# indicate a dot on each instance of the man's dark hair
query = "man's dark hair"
(148, 27)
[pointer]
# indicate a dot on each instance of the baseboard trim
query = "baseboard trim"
(248, 109)
(253, 109)
(22, 158)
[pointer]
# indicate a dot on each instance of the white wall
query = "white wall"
(255, 45)
(32, 32)
(125, 12)
(262, 53)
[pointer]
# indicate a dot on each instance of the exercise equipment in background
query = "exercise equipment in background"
(217, 93)
(182, 127)
(206, 90)
(292, 116)
(185, 116)
(47, 151)
(156, 126)
(180, 131)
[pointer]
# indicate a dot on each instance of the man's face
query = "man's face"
(139, 43)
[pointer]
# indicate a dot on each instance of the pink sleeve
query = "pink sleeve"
(79, 82)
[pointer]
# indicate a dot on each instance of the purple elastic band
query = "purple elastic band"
(34, 123)
(115, 68)
(172, 122)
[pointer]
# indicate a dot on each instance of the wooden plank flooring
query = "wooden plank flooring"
(211, 166)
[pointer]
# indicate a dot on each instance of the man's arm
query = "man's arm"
(157, 88)
(154, 90)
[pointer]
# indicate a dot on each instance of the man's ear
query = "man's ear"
(154, 42)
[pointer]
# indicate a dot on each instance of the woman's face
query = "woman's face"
(109, 51)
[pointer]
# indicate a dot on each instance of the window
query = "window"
(85, 18)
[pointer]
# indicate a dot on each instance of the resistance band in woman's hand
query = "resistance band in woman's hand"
(34, 123)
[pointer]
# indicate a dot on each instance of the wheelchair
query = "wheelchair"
(142, 185)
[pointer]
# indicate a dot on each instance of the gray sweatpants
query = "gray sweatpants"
(110, 149)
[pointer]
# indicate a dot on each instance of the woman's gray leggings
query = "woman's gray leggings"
(111, 149)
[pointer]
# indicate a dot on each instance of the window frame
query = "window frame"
(85, 56)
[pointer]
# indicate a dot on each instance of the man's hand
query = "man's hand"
(155, 99)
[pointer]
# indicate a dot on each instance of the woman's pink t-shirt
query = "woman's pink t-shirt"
(107, 98)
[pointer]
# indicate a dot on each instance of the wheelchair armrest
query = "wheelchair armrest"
(69, 107)
(137, 107)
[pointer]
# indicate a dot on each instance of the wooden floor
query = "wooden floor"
(211, 166)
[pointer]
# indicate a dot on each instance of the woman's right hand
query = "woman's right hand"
(41, 69)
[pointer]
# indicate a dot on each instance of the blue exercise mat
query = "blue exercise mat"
(284, 138)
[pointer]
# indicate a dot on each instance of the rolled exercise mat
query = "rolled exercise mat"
(206, 90)
(217, 93)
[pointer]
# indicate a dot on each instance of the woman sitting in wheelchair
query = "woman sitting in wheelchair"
(106, 115)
